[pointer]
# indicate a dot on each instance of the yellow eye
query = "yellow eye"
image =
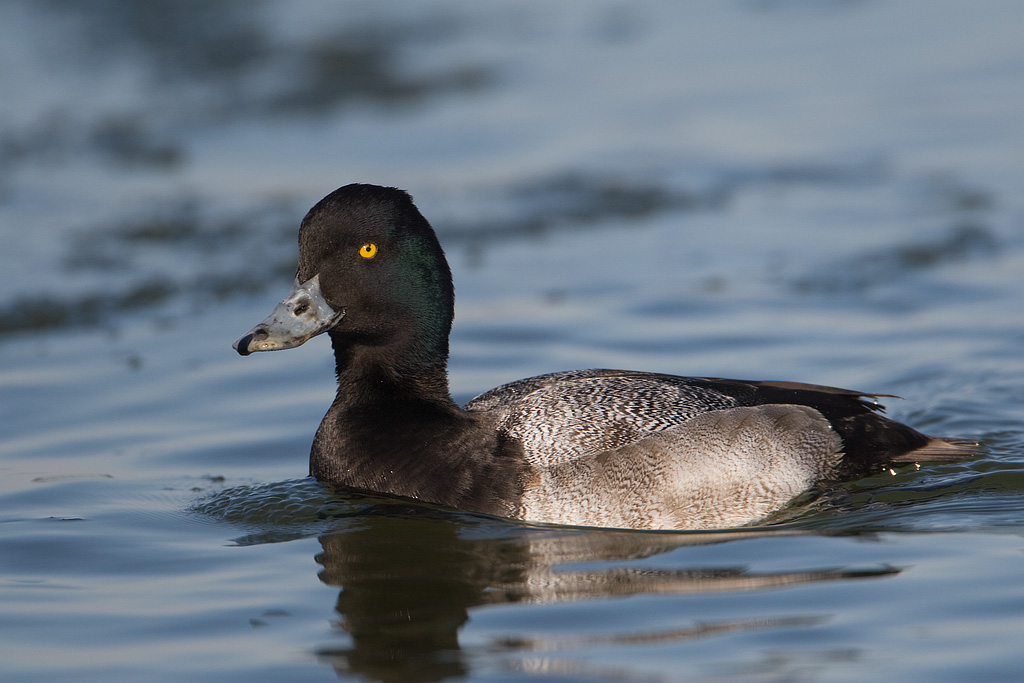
(368, 250)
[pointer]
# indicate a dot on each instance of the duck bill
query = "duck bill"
(302, 315)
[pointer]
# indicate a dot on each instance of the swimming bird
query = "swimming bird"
(611, 448)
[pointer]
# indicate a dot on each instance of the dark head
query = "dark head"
(372, 274)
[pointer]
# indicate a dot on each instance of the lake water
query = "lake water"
(826, 192)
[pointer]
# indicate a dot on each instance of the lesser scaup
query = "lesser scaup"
(590, 447)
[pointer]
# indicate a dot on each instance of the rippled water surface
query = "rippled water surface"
(825, 192)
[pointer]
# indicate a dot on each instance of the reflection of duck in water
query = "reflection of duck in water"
(409, 584)
(592, 447)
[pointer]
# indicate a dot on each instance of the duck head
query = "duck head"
(372, 274)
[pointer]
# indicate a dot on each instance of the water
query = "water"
(819, 192)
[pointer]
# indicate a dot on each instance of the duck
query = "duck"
(597, 447)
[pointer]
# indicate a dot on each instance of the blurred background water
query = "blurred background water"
(826, 192)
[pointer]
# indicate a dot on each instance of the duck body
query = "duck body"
(589, 447)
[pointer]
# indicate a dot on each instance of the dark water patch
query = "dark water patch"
(125, 140)
(947, 194)
(46, 139)
(105, 307)
(578, 200)
(960, 242)
(174, 253)
(355, 66)
(179, 226)
(37, 313)
(195, 243)
(203, 61)
(856, 173)
(190, 38)
(50, 312)
(580, 197)
(966, 214)
(229, 43)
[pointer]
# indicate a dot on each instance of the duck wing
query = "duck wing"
(564, 416)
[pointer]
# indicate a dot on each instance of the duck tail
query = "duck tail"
(942, 449)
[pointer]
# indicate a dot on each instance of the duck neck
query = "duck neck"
(390, 374)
